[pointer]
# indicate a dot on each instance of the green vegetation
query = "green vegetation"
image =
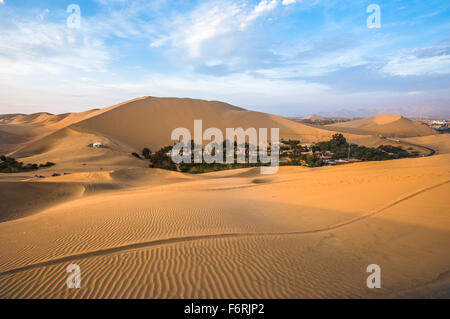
(338, 148)
(292, 144)
(146, 152)
(292, 152)
(198, 168)
(309, 160)
(161, 160)
(136, 155)
(10, 165)
(195, 168)
(48, 164)
(320, 121)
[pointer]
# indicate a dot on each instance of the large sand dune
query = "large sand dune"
(70, 149)
(15, 136)
(139, 123)
(21, 131)
(149, 121)
(21, 199)
(138, 232)
(385, 124)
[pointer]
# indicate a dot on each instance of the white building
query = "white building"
(98, 144)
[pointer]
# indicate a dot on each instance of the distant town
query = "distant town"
(439, 125)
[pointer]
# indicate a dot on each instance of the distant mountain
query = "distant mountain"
(313, 117)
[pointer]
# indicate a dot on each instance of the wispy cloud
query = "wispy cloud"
(425, 61)
(249, 52)
(288, 2)
(210, 21)
(261, 8)
(33, 46)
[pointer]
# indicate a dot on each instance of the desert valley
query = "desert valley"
(141, 232)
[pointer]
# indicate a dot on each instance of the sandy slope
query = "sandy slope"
(12, 137)
(135, 124)
(148, 122)
(301, 233)
(8, 141)
(20, 199)
(385, 124)
(21, 131)
(46, 119)
(146, 233)
(68, 148)
(440, 143)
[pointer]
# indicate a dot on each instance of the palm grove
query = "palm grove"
(292, 152)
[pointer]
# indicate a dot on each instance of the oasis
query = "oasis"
(213, 151)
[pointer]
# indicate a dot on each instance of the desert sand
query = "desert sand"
(138, 232)
(386, 125)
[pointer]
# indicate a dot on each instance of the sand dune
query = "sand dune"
(143, 122)
(138, 232)
(149, 121)
(70, 150)
(440, 143)
(47, 119)
(274, 239)
(27, 129)
(385, 124)
(12, 137)
(9, 141)
(21, 199)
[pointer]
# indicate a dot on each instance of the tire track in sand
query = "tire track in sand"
(166, 241)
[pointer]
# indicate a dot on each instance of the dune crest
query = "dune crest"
(149, 121)
(385, 118)
(138, 232)
(145, 122)
(386, 125)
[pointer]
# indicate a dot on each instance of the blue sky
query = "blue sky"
(279, 56)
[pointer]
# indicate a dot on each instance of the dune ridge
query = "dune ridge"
(144, 228)
(138, 232)
(385, 124)
(165, 241)
(148, 122)
(153, 120)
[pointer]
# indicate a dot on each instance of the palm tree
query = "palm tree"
(146, 152)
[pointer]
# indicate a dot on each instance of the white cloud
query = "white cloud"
(159, 42)
(261, 8)
(33, 47)
(210, 21)
(78, 94)
(237, 85)
(288, 2)
(415, 93)
(426, 61)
